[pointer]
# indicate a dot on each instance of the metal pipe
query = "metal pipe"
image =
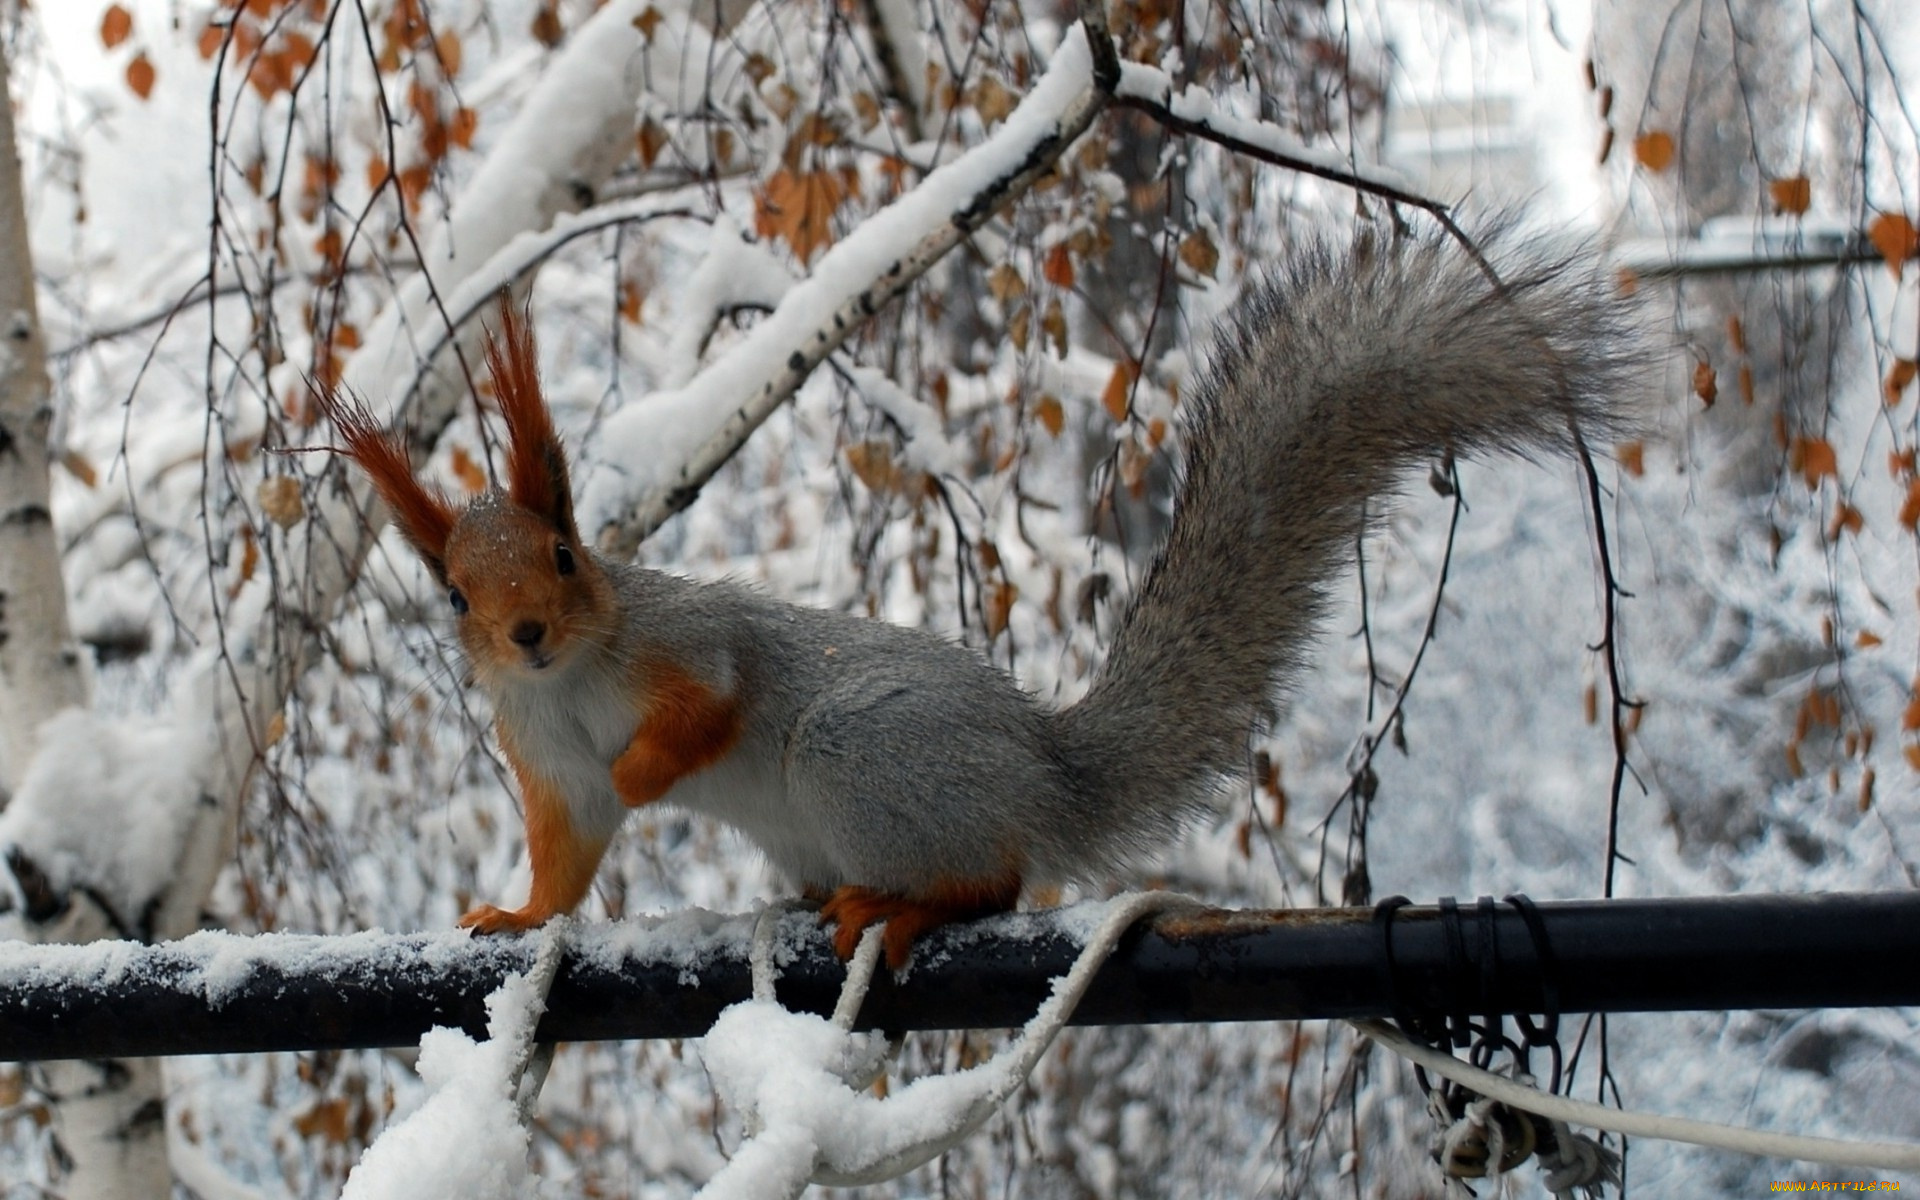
(671, 976)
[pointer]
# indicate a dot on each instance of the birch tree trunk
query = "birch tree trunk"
(107, 1114)
(39, 664)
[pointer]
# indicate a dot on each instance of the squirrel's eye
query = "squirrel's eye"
(563, 558)
(458, 601)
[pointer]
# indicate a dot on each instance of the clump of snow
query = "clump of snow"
(465, 1142)
(107, 803)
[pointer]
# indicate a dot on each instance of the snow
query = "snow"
(108, 802)
(466, 1141)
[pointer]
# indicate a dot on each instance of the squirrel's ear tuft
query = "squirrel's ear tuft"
(536, 465)
(424, 514)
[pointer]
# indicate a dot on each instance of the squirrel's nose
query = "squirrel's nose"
(528, 634)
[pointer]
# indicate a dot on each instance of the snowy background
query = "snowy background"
(963, 465)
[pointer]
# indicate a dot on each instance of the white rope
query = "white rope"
(782, 1155)
(1892, 1156)
(532, 1060)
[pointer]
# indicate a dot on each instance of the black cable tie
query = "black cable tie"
(1459, 1022)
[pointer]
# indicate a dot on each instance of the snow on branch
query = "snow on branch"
(693, 431)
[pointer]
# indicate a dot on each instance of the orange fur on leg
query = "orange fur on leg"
(907, 917)
(563, 862)
(687, 726)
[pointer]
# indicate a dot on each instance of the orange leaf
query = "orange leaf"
(1705, 385)
(1898, 378)
(468, 472)
(1910, 720)
(1913, 756)
(1633, 458)
(1894, 236)
(1198, 252)
(999, 607)
(1910, 509)
(1058, 266)
(465, 121)
(1902, 462)
(1654, 150)
(1814, 459)
(77, 466)
(652, 138)
(799, 209)
(1847, 519)
(116, 26)
(140, 76)
(1746, 383)
(1119, 389)
(1791, 195)
(1867, 639)
(211, 39)
(1050, 414)
(1737, 333)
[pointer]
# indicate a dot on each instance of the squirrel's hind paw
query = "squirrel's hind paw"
(854, 908)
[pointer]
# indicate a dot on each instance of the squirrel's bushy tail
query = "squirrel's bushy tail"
(1343, 371)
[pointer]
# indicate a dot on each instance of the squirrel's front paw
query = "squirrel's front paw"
(488, 919)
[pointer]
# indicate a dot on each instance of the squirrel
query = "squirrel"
(898, 777)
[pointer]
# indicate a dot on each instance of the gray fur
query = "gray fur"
(885, 757)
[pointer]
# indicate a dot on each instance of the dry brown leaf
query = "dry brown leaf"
(1004, 283)
(1053, 324)
(1654, 150)
(1894, 236)
(873, 464)
(461, 129)
(1846, 519)
(77, 466)
(652, 139)
(1793, 195)
(1050, 413)
(998, 606)
(1912, 754)
(471, 475)
(992, 100)
(1902, 463)
(1057, 266)
(140, 76)
(1705, 385)
(280, 500)
(1814, 459)
(1632, 457)
(1199, 253)
(116, 26)
(1866, 639)
(211, 39)
(1910, 507)
(799, 208)
(1898, 378)
(1866, 789)
(1119, 390)
(1736, 333)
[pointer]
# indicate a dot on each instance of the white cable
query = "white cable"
(1015, 1062)
(1892, 1156)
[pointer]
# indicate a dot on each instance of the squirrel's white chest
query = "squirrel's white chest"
(568, 731)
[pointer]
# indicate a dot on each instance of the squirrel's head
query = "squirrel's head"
(526, 595)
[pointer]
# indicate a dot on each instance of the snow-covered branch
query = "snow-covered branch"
(697, 428)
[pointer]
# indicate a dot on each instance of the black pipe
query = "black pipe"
(670, 977)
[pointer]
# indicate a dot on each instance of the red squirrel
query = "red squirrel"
(898, 777)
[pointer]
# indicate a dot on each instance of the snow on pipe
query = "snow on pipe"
(671, 976)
